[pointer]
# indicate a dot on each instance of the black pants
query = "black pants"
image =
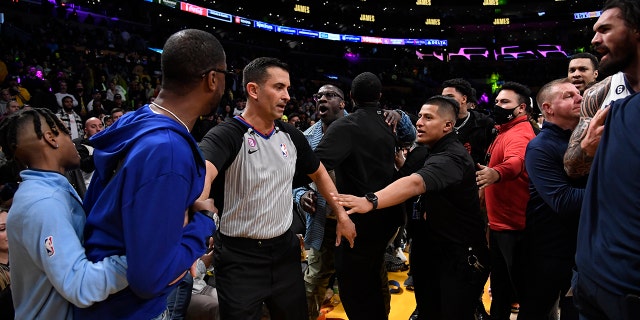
(504, 274)
(249, 272)
(446, 285)
(544, 281)
(362, 277)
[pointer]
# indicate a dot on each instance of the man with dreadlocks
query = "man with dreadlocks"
(49, 267)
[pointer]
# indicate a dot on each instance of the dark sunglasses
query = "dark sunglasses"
(328, 94)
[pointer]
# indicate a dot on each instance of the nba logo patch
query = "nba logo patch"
(251, 142)
(283, 148)
(48, 244)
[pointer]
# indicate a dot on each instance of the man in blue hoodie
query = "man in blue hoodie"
(149, 173)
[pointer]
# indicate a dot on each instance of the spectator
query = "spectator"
(70, 118)
(62, 93)
(6, 302)
(506, 185)
(5, 97)
(81, 178)
(49, 266)
(17, 92)
(553, 210)
(12, 107)
(116, 89)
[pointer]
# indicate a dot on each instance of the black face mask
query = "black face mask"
(502, 116)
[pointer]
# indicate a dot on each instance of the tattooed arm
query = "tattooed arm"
(586, 136)
(576, 162)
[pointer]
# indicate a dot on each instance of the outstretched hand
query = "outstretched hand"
(486, 176)
(355, 204)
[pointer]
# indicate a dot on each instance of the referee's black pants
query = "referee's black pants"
(249, 272)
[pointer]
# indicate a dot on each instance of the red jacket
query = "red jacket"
(507, 199)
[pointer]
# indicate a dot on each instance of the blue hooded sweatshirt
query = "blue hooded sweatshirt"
(140, 210)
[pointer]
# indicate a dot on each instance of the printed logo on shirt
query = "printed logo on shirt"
(253, 145)
(48, 244)
(620, 89)
(251, 142)
(283, 148)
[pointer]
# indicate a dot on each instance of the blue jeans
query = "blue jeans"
(163, 316)
(179, 299)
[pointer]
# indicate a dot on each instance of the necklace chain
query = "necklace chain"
(171, 113)
(463, 122)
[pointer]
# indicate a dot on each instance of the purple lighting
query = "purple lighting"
(512, 51)
(471, 51)
(352, 57)
(434, 54)
(545, 49)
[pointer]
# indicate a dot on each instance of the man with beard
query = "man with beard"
(583, 70)
(617, 40)
(606, 284)
(70, 118)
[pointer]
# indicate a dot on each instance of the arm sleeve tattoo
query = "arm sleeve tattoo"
(576, 162)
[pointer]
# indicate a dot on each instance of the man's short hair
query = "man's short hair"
(366, 88)
(114, 110)
(67, 97)
(186, 56)
(523, 93)
(461, 85)
(256, 70)
(473, 98)
(447, 106)
(630, 11)
(543, 93)
(586, 55)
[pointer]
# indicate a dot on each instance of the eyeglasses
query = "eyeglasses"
(225, 72)
(328, 94)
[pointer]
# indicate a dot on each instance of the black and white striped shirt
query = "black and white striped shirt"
(255, 175)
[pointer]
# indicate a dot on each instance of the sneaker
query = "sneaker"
(400, 255)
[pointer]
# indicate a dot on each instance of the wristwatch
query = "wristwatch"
(371, 197)
(212, 215)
